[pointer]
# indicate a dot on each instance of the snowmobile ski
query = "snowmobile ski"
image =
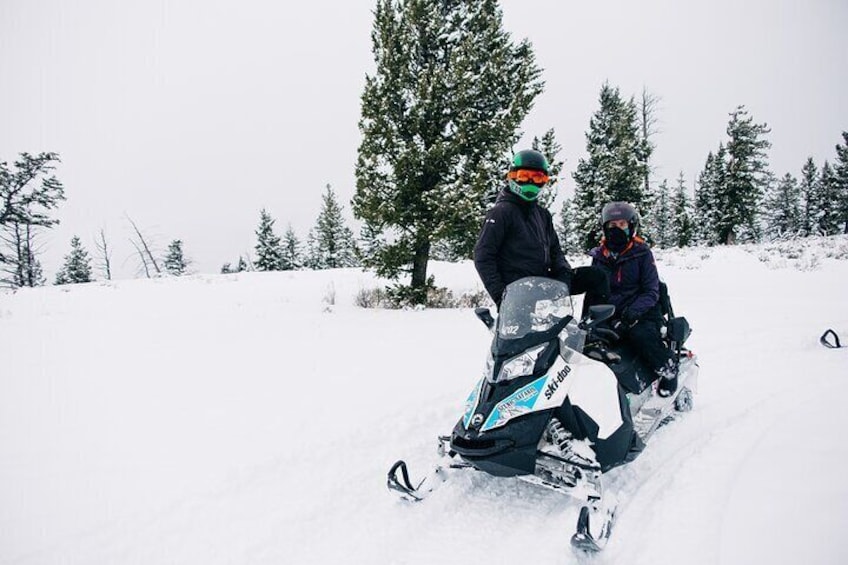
(593, 530)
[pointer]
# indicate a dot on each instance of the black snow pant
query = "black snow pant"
(647, 342)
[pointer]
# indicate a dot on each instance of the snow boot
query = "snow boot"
(667, 384)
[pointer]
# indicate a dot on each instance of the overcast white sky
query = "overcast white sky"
(192, 115)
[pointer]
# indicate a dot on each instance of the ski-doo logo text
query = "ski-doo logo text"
(555, 382)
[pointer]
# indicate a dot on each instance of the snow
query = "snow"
(251, 418)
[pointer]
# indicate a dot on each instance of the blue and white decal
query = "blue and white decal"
(520, 402)
(471, 403)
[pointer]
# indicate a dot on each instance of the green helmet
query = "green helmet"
(528, 174)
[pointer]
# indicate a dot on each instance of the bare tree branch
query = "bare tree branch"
(143, 258)
(106, 260)
(145, 247)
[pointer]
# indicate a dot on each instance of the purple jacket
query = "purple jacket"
(634, 281)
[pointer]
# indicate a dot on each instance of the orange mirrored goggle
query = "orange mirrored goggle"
(527, 175)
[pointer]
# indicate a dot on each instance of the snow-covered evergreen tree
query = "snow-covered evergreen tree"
(77, 266)
(269, 251)
(175, 261)
(840, 170)
(810, 193)
(706, 197)
(682, 224)
(550, 148)
(439, 116)
(569, 238)
(663, 235)
(615, 167)
(740, 196)
(292, 253)
(370, 243)
(829, 213)
(312, 259)
(783, 207)
(334, 245)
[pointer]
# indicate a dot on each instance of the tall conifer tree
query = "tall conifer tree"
(615, 167)
(439, 117)
(810, 193)
(828, 221)
(740, 196)
(333, 239)
(840, 170)
(550, 148)
(269, 252)
(663, 235)
(783, 207)
(292, 253)
(77, 266)
(682, 225)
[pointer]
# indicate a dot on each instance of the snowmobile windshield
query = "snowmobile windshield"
(533, 305)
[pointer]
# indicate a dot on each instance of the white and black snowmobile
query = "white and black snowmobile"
(560, 403)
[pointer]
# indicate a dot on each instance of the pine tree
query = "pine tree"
(29, 192)
(739, 197)
(550, 148)
(568, 237)
(616, 166)
(840, 170)
(682, 225)
(175, 262)
(333, 239)
(810, 193)
(313, 256)
(439, 116)
(828, 221)
(292, 255)
(370, 244)
(269, 252)
(706, 196)
(661, 212)
(77, 266)
(783, 207)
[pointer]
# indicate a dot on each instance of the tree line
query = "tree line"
(736, 197)
(440, 118)
(30, 192)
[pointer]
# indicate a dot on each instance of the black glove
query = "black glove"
(623, 323)
(629, 319)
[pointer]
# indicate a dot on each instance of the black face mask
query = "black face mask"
(616, 239)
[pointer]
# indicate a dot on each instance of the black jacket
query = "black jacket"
(518, 240)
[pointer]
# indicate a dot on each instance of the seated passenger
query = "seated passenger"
(634, 290)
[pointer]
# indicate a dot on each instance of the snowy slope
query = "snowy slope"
(245, 419)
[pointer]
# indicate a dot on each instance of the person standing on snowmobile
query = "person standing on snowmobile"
(634, 290)
(518, 238)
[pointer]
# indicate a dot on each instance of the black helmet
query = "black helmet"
(620, 211)
(530, 159)
(527, 186)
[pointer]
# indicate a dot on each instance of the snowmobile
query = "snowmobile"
(560, 403)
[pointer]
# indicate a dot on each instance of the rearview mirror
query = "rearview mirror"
(485, 316)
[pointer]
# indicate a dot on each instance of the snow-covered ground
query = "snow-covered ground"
(252, 418)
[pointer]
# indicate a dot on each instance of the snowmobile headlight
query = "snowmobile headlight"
(521, 365)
